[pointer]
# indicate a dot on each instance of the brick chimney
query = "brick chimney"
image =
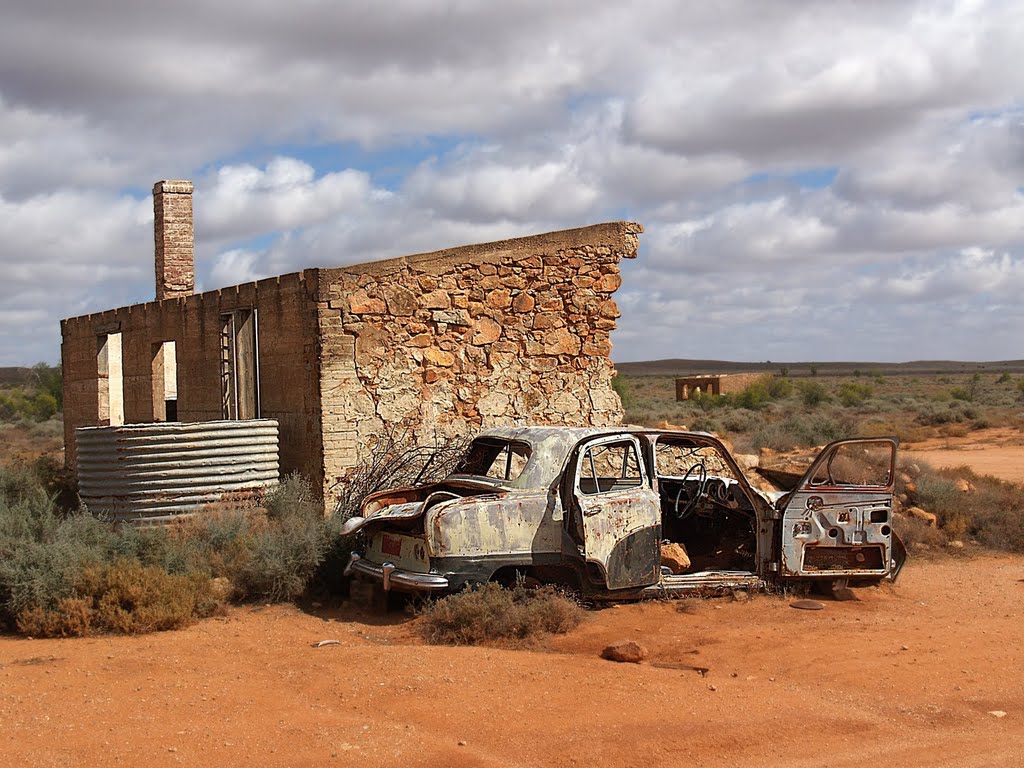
(172, 232)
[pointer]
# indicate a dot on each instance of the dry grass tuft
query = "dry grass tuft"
(491, 614)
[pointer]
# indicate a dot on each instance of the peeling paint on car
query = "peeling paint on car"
(570, 512)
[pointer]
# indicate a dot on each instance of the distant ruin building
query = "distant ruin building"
(689, 387)
(439, 343)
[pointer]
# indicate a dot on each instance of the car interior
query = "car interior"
(703, 506)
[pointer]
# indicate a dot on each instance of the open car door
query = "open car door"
(837, 523)
(619, 512)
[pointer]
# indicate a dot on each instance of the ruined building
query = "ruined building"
(714, 384)
(442, 343)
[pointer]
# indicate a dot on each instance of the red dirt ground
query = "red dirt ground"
(996, 452)
(907, 676)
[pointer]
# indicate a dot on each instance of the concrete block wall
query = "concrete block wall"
(287, 342)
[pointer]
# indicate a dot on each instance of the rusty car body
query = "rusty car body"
(591, 508)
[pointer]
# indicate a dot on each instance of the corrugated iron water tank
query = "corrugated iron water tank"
(150, 472)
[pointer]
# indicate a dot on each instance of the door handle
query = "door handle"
(593, 511)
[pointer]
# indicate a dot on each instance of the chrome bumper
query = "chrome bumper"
(391, 577)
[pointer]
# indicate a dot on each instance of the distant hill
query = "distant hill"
(12, 376)
(917, 367)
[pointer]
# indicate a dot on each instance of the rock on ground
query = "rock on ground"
(628, 651)
(675, 557)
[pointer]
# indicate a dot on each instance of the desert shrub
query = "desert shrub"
(917, 535)
(780, 388)
(939, 494)
(65, 574)
(812, 393)
(991, 512)
(492, 614)
(934, 414)
(853, 393)
(801, 431)
(742, 420)
(1004, 378)
(282, 559)
(266, 557)
(753, 397)
(624, 390)
(124, 596)
(42, 551)
(704, 422)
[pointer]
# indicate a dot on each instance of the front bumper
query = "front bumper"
(391, 577)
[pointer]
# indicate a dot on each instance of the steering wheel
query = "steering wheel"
(702, 481)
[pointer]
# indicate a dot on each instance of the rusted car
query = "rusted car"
(595, 508)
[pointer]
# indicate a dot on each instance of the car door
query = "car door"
(618, 511)
(837, 523)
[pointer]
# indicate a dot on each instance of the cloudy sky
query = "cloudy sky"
(818, 181)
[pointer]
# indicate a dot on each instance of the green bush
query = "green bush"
(753, 397)
(812, 393)
(852, 394)
(780, 389)
(492, 614)
(625, 392)
(19, 404)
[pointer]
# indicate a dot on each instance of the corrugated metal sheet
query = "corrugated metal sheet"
(156, 471)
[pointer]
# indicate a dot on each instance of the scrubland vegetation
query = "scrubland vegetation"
(781, 413)
(64, 572)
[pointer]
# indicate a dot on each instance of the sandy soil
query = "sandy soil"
(998, 452)
(906, 676)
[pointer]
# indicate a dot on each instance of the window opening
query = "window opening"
(239, 365)
(165, 382)
(860, 464)
(498, 460)
(610, 467)
(110, 380)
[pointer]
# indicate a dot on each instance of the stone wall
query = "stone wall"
(440, 344)
(444, 343)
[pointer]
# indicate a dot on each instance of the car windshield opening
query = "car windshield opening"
(495, 459)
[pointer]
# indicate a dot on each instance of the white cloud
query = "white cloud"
(243, 200)
(466, 122)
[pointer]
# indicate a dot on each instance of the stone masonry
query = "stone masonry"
(445, 343)
(437, 344)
